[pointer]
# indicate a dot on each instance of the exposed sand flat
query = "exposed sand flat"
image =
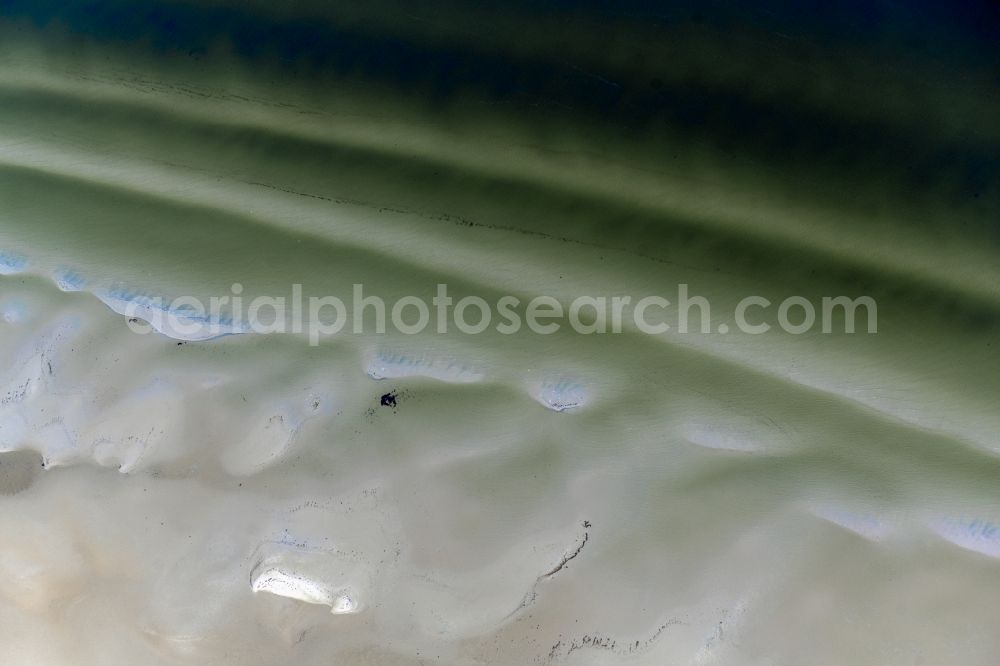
(188, 487)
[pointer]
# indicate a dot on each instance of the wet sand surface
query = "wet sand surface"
(699, 498)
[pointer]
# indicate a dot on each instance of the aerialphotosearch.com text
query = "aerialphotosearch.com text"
(319, 317)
